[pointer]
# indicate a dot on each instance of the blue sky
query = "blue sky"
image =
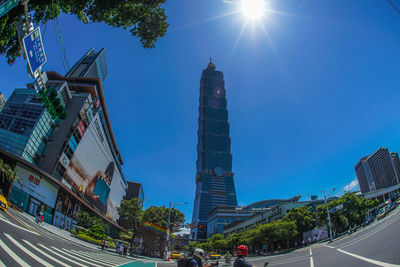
(306, 100)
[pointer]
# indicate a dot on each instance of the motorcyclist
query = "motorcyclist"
(242, 251)
(227, 257)
(199, 259)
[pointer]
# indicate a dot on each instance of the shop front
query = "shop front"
(65, 211)
(34, 194)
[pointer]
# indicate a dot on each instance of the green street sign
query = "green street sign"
(7, 6)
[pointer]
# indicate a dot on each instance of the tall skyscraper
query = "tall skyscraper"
(91, 65)
(376, 171)
(214, 177)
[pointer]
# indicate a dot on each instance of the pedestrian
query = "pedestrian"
(121, 249)
(242, 251)
(279, 247)
(125, 250)
(295, 244)
(41, 218)
(106, 244)
(103, 243)
(302, 243)
(117, 247)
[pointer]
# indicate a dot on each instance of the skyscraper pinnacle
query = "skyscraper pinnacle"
(211, 65)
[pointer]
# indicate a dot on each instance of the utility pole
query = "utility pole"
(329, 214)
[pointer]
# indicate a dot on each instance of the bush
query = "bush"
(90, 239)
(97, 232)
(73, 232)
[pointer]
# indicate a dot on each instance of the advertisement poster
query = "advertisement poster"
(93, 172)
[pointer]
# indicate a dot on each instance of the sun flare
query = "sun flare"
(253, 9)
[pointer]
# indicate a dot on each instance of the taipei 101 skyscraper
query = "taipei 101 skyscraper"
(214, 176)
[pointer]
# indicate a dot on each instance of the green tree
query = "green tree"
(159, 216)
(144, 19)
(131, 211)
(303, 218)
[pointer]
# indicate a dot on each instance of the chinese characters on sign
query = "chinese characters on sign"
(34, 50)
(34, 180)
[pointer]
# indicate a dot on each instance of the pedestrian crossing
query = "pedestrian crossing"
(14, 252)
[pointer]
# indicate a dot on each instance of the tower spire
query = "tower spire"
(211, 65)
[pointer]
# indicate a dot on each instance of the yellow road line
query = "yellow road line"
(22, 223)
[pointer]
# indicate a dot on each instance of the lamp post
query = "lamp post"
(171, 205)
(329, 214)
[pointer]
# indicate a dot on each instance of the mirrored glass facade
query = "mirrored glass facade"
(25, 125)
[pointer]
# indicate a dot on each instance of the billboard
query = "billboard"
(93, 172)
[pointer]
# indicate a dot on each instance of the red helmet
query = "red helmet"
(242, 250)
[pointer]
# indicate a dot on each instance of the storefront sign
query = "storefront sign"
(36, 186)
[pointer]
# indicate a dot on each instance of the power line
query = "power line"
(394, 7)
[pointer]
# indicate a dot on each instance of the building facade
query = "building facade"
(376, 171)
(214, 176)
(270, 214)
(396, 164)
(2, 101)
(25, 125)
(79, 151)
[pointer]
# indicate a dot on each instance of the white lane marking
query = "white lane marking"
(328, 246)
(13, 255)
(380, 263)
(311, 259)
(2, 264)
(61, 256)
(89, 257)
(45, 254)
(36, 258)
(381, 227)
(7, 221)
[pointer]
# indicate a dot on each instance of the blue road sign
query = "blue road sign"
(7, 6)
(34, 50)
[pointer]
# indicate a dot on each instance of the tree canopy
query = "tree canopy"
(145, 19)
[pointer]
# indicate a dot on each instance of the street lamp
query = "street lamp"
(171, 205)
(327, 210)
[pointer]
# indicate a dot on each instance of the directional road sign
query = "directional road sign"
(34, 50)
(7, 6)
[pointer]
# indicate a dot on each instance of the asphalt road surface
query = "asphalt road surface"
(375, 245)
(24, 243)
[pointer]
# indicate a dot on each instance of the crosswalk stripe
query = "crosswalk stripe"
(116, 259)
(2, 264)
(61, 256)
(106, 261)
(13, 255)
(46, 255)
(85, 258)
(76, 257)
(36, 258)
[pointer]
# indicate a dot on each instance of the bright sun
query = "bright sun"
(253, 9)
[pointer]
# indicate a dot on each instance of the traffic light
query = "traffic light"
(200, 226)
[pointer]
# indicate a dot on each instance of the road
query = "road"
(375, 245)
(23, 243)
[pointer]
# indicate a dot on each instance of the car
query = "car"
(176, 255)
(3, 203)
(215, 256)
